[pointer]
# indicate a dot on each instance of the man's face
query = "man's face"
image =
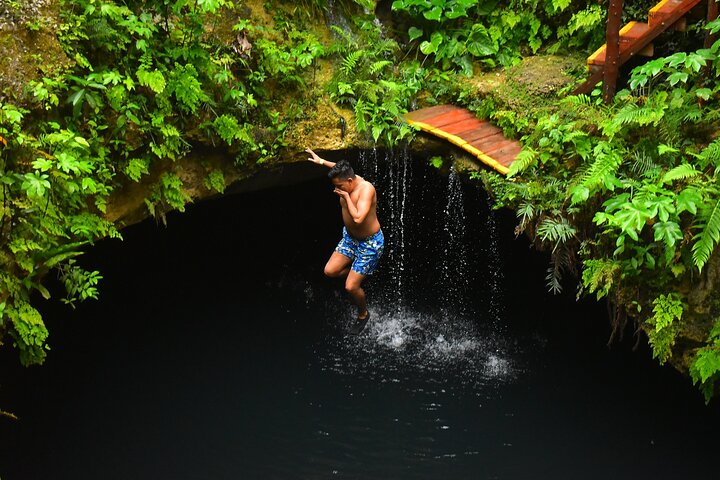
(345, 185)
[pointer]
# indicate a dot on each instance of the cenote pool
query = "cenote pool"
(219, 351)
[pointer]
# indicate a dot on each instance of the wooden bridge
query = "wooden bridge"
(462, 128)
(487, 143)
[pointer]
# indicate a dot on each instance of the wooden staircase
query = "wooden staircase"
(636, 38)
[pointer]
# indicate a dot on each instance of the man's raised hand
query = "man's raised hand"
(314, 157)
(320, 161)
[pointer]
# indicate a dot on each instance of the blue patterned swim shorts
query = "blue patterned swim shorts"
(364, 253)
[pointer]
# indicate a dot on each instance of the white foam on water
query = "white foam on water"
(392, 331)
(403, 343)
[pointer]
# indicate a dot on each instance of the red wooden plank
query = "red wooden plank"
(486, 142)
(500, 148)
(506, 160)
(664, 9)
(637, 30)
(449, 118)
(628, 36)
(485, 130)
(508, 156)
(463, 126)
(430, 112)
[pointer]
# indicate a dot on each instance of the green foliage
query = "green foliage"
(705, 367)
(215, 180)
(458, 34)
(79, 283)
(436, 161)
(709, 236)
(378, 94)
(167, 195)
(600, 276)
(142, 78)
(638, 183)
(28, 332)
(229, 129)
(556, 231)
(663, 326)
(525, 159)
(184, 84)
(583, 30)
(600, 175)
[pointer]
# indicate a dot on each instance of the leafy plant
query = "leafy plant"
(667, 309)
(705, 367)
(378, 94)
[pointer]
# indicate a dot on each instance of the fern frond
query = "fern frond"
(388, 46)
(602, 170)
(692, 115)
(643, 164)
(525, 212)
(351, 61)
(708, 238)
(348, 41)
(379, 65)
(710, 154)
(558, 231)
(682, 171)
(526, 158)
(553, 277)
(639, 115)
(599, 276)
(560, 261)
(573, 136)
(581, 99)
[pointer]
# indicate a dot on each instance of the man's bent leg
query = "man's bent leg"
(352, 286)
(338, 265)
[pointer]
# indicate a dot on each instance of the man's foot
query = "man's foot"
(360, 323)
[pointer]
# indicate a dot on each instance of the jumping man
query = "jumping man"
(362, 242)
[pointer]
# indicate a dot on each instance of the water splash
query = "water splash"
(406, 342)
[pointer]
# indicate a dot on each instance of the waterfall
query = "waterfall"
(397, 184)
(454, 265)
(494, 268)
(441, 261)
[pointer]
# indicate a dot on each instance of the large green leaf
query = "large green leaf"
(631, 220)
(434, 13)
(35, 185)
(668, 232)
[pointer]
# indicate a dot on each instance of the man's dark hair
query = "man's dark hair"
(341, 170)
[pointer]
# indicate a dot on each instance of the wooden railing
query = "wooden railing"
(634, 39)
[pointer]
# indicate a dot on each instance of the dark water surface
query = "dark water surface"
(219, 351)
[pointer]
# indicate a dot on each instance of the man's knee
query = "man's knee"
(332, 272)
(352, 287)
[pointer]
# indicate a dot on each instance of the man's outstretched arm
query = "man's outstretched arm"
(320, 161)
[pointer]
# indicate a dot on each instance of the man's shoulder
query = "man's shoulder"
(367, 184)
(367, 187)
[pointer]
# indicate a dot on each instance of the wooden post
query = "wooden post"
(612, 54)
(712, 14)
